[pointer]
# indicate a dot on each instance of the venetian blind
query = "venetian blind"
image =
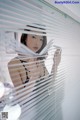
(42, 97)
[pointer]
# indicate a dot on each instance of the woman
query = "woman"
(36, 43)
(23, 73)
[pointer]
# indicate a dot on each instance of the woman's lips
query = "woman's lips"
(36, 48)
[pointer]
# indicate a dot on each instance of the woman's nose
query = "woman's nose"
(36, 41)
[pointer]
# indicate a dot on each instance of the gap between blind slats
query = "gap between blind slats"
(22, 90)
(36, 80)
(29, 86)
(37, 99)
(45, 101)
(40, 88)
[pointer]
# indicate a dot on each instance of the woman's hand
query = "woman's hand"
(57, 57)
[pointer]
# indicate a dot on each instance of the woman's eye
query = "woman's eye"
(41, 39)
(33, 37)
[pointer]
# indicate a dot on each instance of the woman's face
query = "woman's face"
(34, 42)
